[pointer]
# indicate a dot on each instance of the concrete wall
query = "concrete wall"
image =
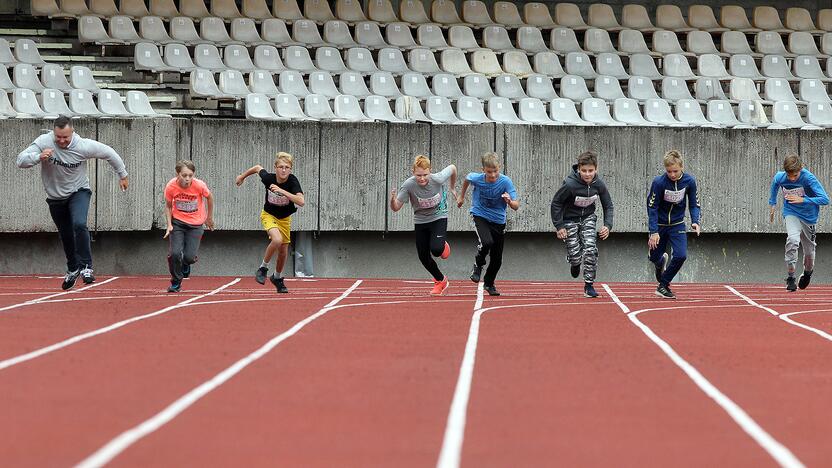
(348, 170)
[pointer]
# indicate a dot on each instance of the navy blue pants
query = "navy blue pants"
(677, 237)
(70, 217)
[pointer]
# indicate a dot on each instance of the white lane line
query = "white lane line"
(84, 336)
(817, 331)
(44, 298)
(116, 446)
(775, 449)
(783, 317)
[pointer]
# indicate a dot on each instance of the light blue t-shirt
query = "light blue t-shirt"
(808, 187)
(487, 198)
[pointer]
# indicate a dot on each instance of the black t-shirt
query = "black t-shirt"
(276, 204)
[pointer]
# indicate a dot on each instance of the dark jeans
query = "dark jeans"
(184, 243)
(430, 240)
(491, 238)
(70, 217)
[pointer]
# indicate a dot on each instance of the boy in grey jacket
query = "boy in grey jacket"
(573, 214)
(62, 155)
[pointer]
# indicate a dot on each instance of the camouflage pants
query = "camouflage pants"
(581, 245)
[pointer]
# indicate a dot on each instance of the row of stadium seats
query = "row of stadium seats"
(474, 13)
(51, 103)
(594, 111)
(232, 85)
(52, 76)
(367, 34)
(177, 58)
(25, 51)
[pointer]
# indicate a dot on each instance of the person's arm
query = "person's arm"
(209, 218)
(98, 150)
(653, 201)
(453, 179)
(297, 198)
(168, 218)
(607, 206)
(32, 156)
(250, 172)
(510, 196)
(772, 198)
(556, 210)
(693, 207)
(460, 199)
(820, 198)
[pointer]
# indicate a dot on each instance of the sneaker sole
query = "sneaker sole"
(802, 286)
(86, 281)
(663, 296)
(259, 280)
(590, 296)
(442, 292)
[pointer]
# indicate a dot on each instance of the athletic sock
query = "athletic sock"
(791, 274)
(265, 264)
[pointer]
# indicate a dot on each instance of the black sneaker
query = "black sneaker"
(69, 279)
(87, 275)
(790, 284)
(279, 284)
(803, 281)
(664, 292)
(589, 290)
(575, 271)
(260, 275)
(491, 290)
(476, 273)
(174, 286)
(662, 266)
(186, 270)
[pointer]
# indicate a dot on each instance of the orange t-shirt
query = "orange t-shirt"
(187, 204)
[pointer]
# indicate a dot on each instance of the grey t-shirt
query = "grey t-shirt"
(429, 202)
(65, 172)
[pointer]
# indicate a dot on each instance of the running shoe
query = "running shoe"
(186, 270)
(447, 252)
(589, 290)
(260, 275)
(174, 286)
(664, 292)
(790, 284)
(491, 290)
(279, 284)
(87, 275)
(575, 270)
(803, 281)
(439, 287)
(662, 266)
(69, 279)
(476, 273)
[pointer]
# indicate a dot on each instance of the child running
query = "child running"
(573, 214)
(428, 193)
(803, 195)
(669, 194)
(185, 211)
(283, 196)
(493, 192)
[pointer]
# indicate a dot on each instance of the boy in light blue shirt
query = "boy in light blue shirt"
(493, 193)
(803, 195)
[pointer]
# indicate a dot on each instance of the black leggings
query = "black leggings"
(491, 238)
(430, 240)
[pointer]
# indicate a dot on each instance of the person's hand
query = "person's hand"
(796, 199)
(771, 214)
(210, 224)
(167, 231)
(45, 154)
(696, 228)
(275, 189)
(460, 200)
(123, 183)
(506, 197)
(653, 241)
(239, 180)
(453, 193)
(604, 233)
(561, 233)
(393, 193)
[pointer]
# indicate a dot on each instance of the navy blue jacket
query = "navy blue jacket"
(667, 200)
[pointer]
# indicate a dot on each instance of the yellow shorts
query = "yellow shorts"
(284, 225)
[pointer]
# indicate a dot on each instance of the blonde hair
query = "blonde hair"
(490, 160)
(283, 156)
(673, 157)
(421, 162)
(183, 163)
(792, 164)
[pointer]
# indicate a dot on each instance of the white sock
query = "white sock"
(265, 264)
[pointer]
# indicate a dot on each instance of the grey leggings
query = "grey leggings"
(184, 243)
(800, 233)
(581, 246)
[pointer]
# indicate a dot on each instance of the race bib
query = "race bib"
(583, 202)
(794, 191)
(186, 206)
(428, 202)
(277, 199)
(674, 196)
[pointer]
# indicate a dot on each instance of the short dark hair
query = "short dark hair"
(792, 164)
(588, 158)
(63, 121)
(183, 163)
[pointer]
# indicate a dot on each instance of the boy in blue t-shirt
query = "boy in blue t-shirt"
(492, 193)
(803, 195)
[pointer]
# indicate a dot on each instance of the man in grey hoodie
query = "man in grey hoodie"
(573, 214)
(62, 155)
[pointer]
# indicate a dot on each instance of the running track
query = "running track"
(374, 373)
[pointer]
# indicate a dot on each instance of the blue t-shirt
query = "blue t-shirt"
(808, 187)
(487, 198)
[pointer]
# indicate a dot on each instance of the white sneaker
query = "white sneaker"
(87, 275)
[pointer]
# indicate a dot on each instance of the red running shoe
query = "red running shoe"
(439, 287)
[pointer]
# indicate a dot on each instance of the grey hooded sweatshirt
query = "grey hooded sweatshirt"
(575, 200)
(65, 172)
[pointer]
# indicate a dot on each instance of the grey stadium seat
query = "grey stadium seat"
(225, 9)
(641, 88)
(574, 88)
(368, 34)
(383, 84)
(532, 110)
(807, 66)
(537, 14)
(768, 19)
(813, 91)
(496, 38)
(607, 88)
(643, 65)
(702, 17)
(352, 83)
(414, 84)
(666, 42)
(275, 31)
(820, 114)
(349, 10)
(744, 66)
(361, 60)
(445, 84)
(508, 86)
(600, 15)
(322, 83)
(392, 60)
(610, 65)
(475, 12)
(701, 42)
(73, 8)
(423, 61)
(409, 109)
(146, 56)
(258, 106)
(291, 82)
(152, 28)
(444, 12)
(399, 35)
(207, 56)
(245, 30)
(201, 84)
(26, 51)
(317, 107)
(802, 43)
(163, 9)
(547, 63)
(378, 108)
(711, 65)
(91, 31)
(485, 61)
(439, 109)
(267, 57)
(517, 63)
(52, 76)
(770, 43)
(182, 29)
(262, 82)
(5, 80)
(689, 112)
(631, 41)
(462, 37)
(81, 103)
(177, 57)
(734, 17)
(329, 59)
(530, 39)
(213, 29)
(256, 10)
(477, 86)
(707, 89)
(6, 55)
(431, 36)
(471, 110)
(677, 66)
(122, 29)
(506, 13)
(317, 10)
(337, 33)
(381, 11)
(578, 63)
(658, 111)
(236, 58)
(634, 16)
(778, 89)
(799, 19)
(569, 15)
(596, 111)
(670, 17)
(743, 89)
(627, 111)
(787, 115)
(348, 108)
(306, 32)
(287, 10)
(500, 110)
(775, 66)
(287, 106)
(109, 102)
(564, 111)
(674, 89)
(297, 58)
(734, 42)
(540, 87)
(598, 41)
(563, 40)
(721, 113)
(454, 61)
(54, 103)
(80, 77)
(26, 103)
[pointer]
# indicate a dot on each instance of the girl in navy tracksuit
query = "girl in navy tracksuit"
(666, 202)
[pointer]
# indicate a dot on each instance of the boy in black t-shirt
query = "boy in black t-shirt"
(283, 196)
